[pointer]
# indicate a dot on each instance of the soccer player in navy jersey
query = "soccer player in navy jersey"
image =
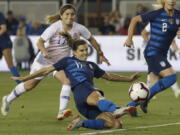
(6, 46)
(100, 112)
(164, 26)
(145, 34)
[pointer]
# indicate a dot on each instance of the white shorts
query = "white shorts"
(37, 66)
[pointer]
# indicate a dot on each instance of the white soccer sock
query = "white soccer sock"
(64, 97)
(16, 92)
(175, 87)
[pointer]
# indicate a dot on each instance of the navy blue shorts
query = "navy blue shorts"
(81, 92)
(5, 45)
(157, 63)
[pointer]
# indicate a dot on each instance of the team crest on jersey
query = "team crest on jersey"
(177, 21)
(163, 64)
(171, 21)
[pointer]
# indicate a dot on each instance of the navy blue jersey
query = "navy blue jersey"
(163, 30)
(79, 71)
(4, 38)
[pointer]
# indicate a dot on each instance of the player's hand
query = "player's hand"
(17, 78)
(46, 55)
(129, 43)
(135, 76)
(103, 59)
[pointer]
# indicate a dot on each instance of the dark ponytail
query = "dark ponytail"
(71, 42)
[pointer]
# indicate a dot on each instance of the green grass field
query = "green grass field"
(34, 113)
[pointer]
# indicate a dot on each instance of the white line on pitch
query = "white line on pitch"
(141, 127)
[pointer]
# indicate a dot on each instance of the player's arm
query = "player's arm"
(41, 72)
(145, 35)
(95, 44)
(3, 29)
(42, 48)
(131, 30)
(120, 78)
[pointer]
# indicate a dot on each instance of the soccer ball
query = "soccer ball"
(139, 92)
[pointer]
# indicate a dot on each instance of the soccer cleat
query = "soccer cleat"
(75, 124)
(125, 110)
(144, 106)
(64, 114)
(5, 106)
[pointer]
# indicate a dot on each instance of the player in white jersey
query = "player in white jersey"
(54, 47)
(145, 34)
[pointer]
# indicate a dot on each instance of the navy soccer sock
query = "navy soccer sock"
(162, 84)
(93, 124)
(15, 72)
(106, 106)
(133, 103)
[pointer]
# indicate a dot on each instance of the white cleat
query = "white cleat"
(131, 110)
(75, 124)
(5, 106)
(177, 93)
(64, 114)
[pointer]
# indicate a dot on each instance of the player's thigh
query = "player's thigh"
(93, 98)
(153, 78)
(61, 77)
(167, 72)
(110, 121)
(38, 66)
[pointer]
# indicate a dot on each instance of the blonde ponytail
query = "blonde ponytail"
(52, 18)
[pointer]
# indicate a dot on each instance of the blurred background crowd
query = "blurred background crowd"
(110, 23)
(102, 17)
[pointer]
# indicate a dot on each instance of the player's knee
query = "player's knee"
(93, 98)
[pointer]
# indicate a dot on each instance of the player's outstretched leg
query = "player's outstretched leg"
(108, 106)
(158, 87)
(103, 121)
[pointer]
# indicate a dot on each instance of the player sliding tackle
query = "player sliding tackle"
(100, 112)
